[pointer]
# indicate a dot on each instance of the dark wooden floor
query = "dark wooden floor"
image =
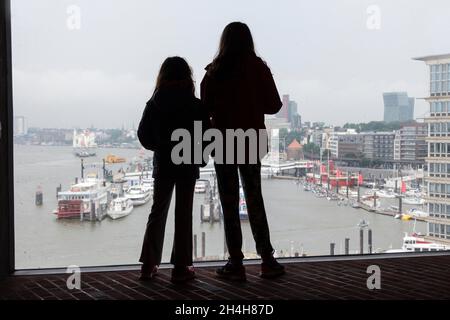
(401, 278)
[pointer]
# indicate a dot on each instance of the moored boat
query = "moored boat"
(120, 207)
(138, 194)
(87, 199)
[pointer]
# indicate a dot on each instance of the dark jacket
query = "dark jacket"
(170, 109)
(241, 97)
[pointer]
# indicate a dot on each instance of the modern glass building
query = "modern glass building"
(438, 139)
(398, 107)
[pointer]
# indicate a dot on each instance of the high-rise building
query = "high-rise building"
(438, 139)
(410, 144)
(292, 110)
(398, 107)
(284, 111)
(289, 112)
(20, 128)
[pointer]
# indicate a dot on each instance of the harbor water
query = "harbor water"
(299, 222)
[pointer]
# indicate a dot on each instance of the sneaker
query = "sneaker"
(232, 271)
(270, 268)
(181, 275)
(148, 272)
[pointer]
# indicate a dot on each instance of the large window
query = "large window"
(83, 71)
(440, 79)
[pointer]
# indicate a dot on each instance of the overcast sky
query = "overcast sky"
(321, 52)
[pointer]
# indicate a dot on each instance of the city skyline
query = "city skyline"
(330, 61)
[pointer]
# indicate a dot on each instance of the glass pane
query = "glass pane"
(84, 70)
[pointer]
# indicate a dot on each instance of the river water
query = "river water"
(299, 222)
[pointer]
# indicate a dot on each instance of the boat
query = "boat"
(138, 194)
(147, 184)
(356, 205)
(111, 159)
(84, 144)
(87, 199)
(386, 194)
(333, 197)
(243, 214)
(393, 208)
(413, 200)
(120, 207)
(406, 217)
(201, 186)
(416, 243)
(417, 213)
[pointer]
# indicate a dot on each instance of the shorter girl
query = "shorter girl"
(172, 106)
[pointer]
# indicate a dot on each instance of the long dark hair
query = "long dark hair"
(175, 72)
(236, 43)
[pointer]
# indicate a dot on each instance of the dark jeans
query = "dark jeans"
(154, 234)
(228, 183)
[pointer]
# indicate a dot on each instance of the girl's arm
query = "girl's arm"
(148, 128)
(271, 101)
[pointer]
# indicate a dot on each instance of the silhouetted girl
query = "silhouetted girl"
(238, 89)
(172, 106)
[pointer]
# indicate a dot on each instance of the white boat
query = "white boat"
(386, 194)
(393, 208)
(415, 243)
(370, 204)
(86, 199)
(356, 205)
(417, 213)
(147, 184)
(138, 194)
(413, 200)
(201, 186)
(243, 214)
(120, 207)
(84, 144)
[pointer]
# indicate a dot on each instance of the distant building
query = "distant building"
(438, 177)
(289, 112)
(410, 144)
(345, 144)
(292, 110)
(294, 151)
(284, 111)
(378, 145)
(316, 137)
(398, 107)
(20, 128)
(296, 122)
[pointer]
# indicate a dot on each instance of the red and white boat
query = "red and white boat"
(85, 200)
(416, 243)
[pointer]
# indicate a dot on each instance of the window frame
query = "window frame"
(7, 259)
(7, 234)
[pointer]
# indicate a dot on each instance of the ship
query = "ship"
(84, 144)
(87, 199)
(112, 159)
(243, 214)
(120, 207)
(416, 243)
